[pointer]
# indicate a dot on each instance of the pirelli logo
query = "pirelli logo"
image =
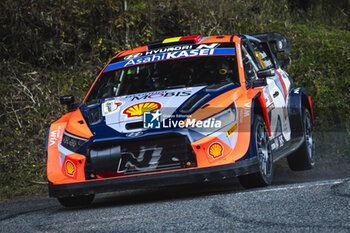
(232, 129)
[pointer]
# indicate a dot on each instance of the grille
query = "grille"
(140, 156)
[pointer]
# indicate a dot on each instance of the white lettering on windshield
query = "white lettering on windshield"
(171, 55)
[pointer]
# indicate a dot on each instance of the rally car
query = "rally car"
(182, 110)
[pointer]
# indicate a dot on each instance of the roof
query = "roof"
(181, 40)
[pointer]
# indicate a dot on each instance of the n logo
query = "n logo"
(207, 46)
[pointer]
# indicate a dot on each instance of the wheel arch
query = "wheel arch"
(297, 99)
(306, 101)
(257, 108)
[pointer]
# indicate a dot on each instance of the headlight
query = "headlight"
(72, 142)
(216, 122)
(225, 117)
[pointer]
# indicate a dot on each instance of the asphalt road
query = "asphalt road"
(317, 200)
(316, 206)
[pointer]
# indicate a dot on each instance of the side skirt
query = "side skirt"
(290, 146)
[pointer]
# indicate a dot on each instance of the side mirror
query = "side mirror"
(265, 73)
(69, 101)
(284, 63)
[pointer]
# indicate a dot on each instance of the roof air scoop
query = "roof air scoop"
(181, 40)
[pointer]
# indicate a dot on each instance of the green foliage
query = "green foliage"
(52, 48)
(322, 63)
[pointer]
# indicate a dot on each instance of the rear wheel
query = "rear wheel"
(260, 139)
(304, 157)
(82, 200)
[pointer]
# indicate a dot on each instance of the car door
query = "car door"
(276, 94)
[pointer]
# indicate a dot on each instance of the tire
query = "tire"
(260, 140)
(83, 200)
(304, 157)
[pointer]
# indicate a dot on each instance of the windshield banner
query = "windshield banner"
(172, 55)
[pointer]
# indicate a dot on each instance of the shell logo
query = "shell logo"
(216, 150)
(137, 110)
(70, 168)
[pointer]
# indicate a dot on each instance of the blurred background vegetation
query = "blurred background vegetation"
(51, 48)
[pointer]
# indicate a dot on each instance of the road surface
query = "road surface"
(316, 206)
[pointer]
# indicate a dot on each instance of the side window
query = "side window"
(263, 54)
(250, 67)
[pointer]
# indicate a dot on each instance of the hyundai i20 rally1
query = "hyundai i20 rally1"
(182, 110)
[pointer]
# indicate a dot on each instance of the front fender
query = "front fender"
(258, 106)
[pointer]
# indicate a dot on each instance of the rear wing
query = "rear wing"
(276, 39)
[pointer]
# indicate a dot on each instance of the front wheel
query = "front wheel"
(75, 201)
(260, 140)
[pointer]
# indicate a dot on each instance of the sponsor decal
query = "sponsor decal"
(170, 49)
(270, 98)
(278, 142)
(273, 146)
(232, 129)
(215, 150)
(267, 94)
(207, 46)
(246, 112)
(137, 110)
(54, 136)
(160, 94)
(270, 107)
(70, 168)
(145, 159)
(281, 139)
(172, 55)
(241, 112)
(111, 106)
(284, 112)
(133, 56)
(134, 134)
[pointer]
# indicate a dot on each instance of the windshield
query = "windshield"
(168, 74)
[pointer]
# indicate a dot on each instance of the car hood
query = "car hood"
(124, 114)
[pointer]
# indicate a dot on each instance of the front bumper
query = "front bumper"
(155, 180)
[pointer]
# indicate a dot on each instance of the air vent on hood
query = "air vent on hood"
(193, 102)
